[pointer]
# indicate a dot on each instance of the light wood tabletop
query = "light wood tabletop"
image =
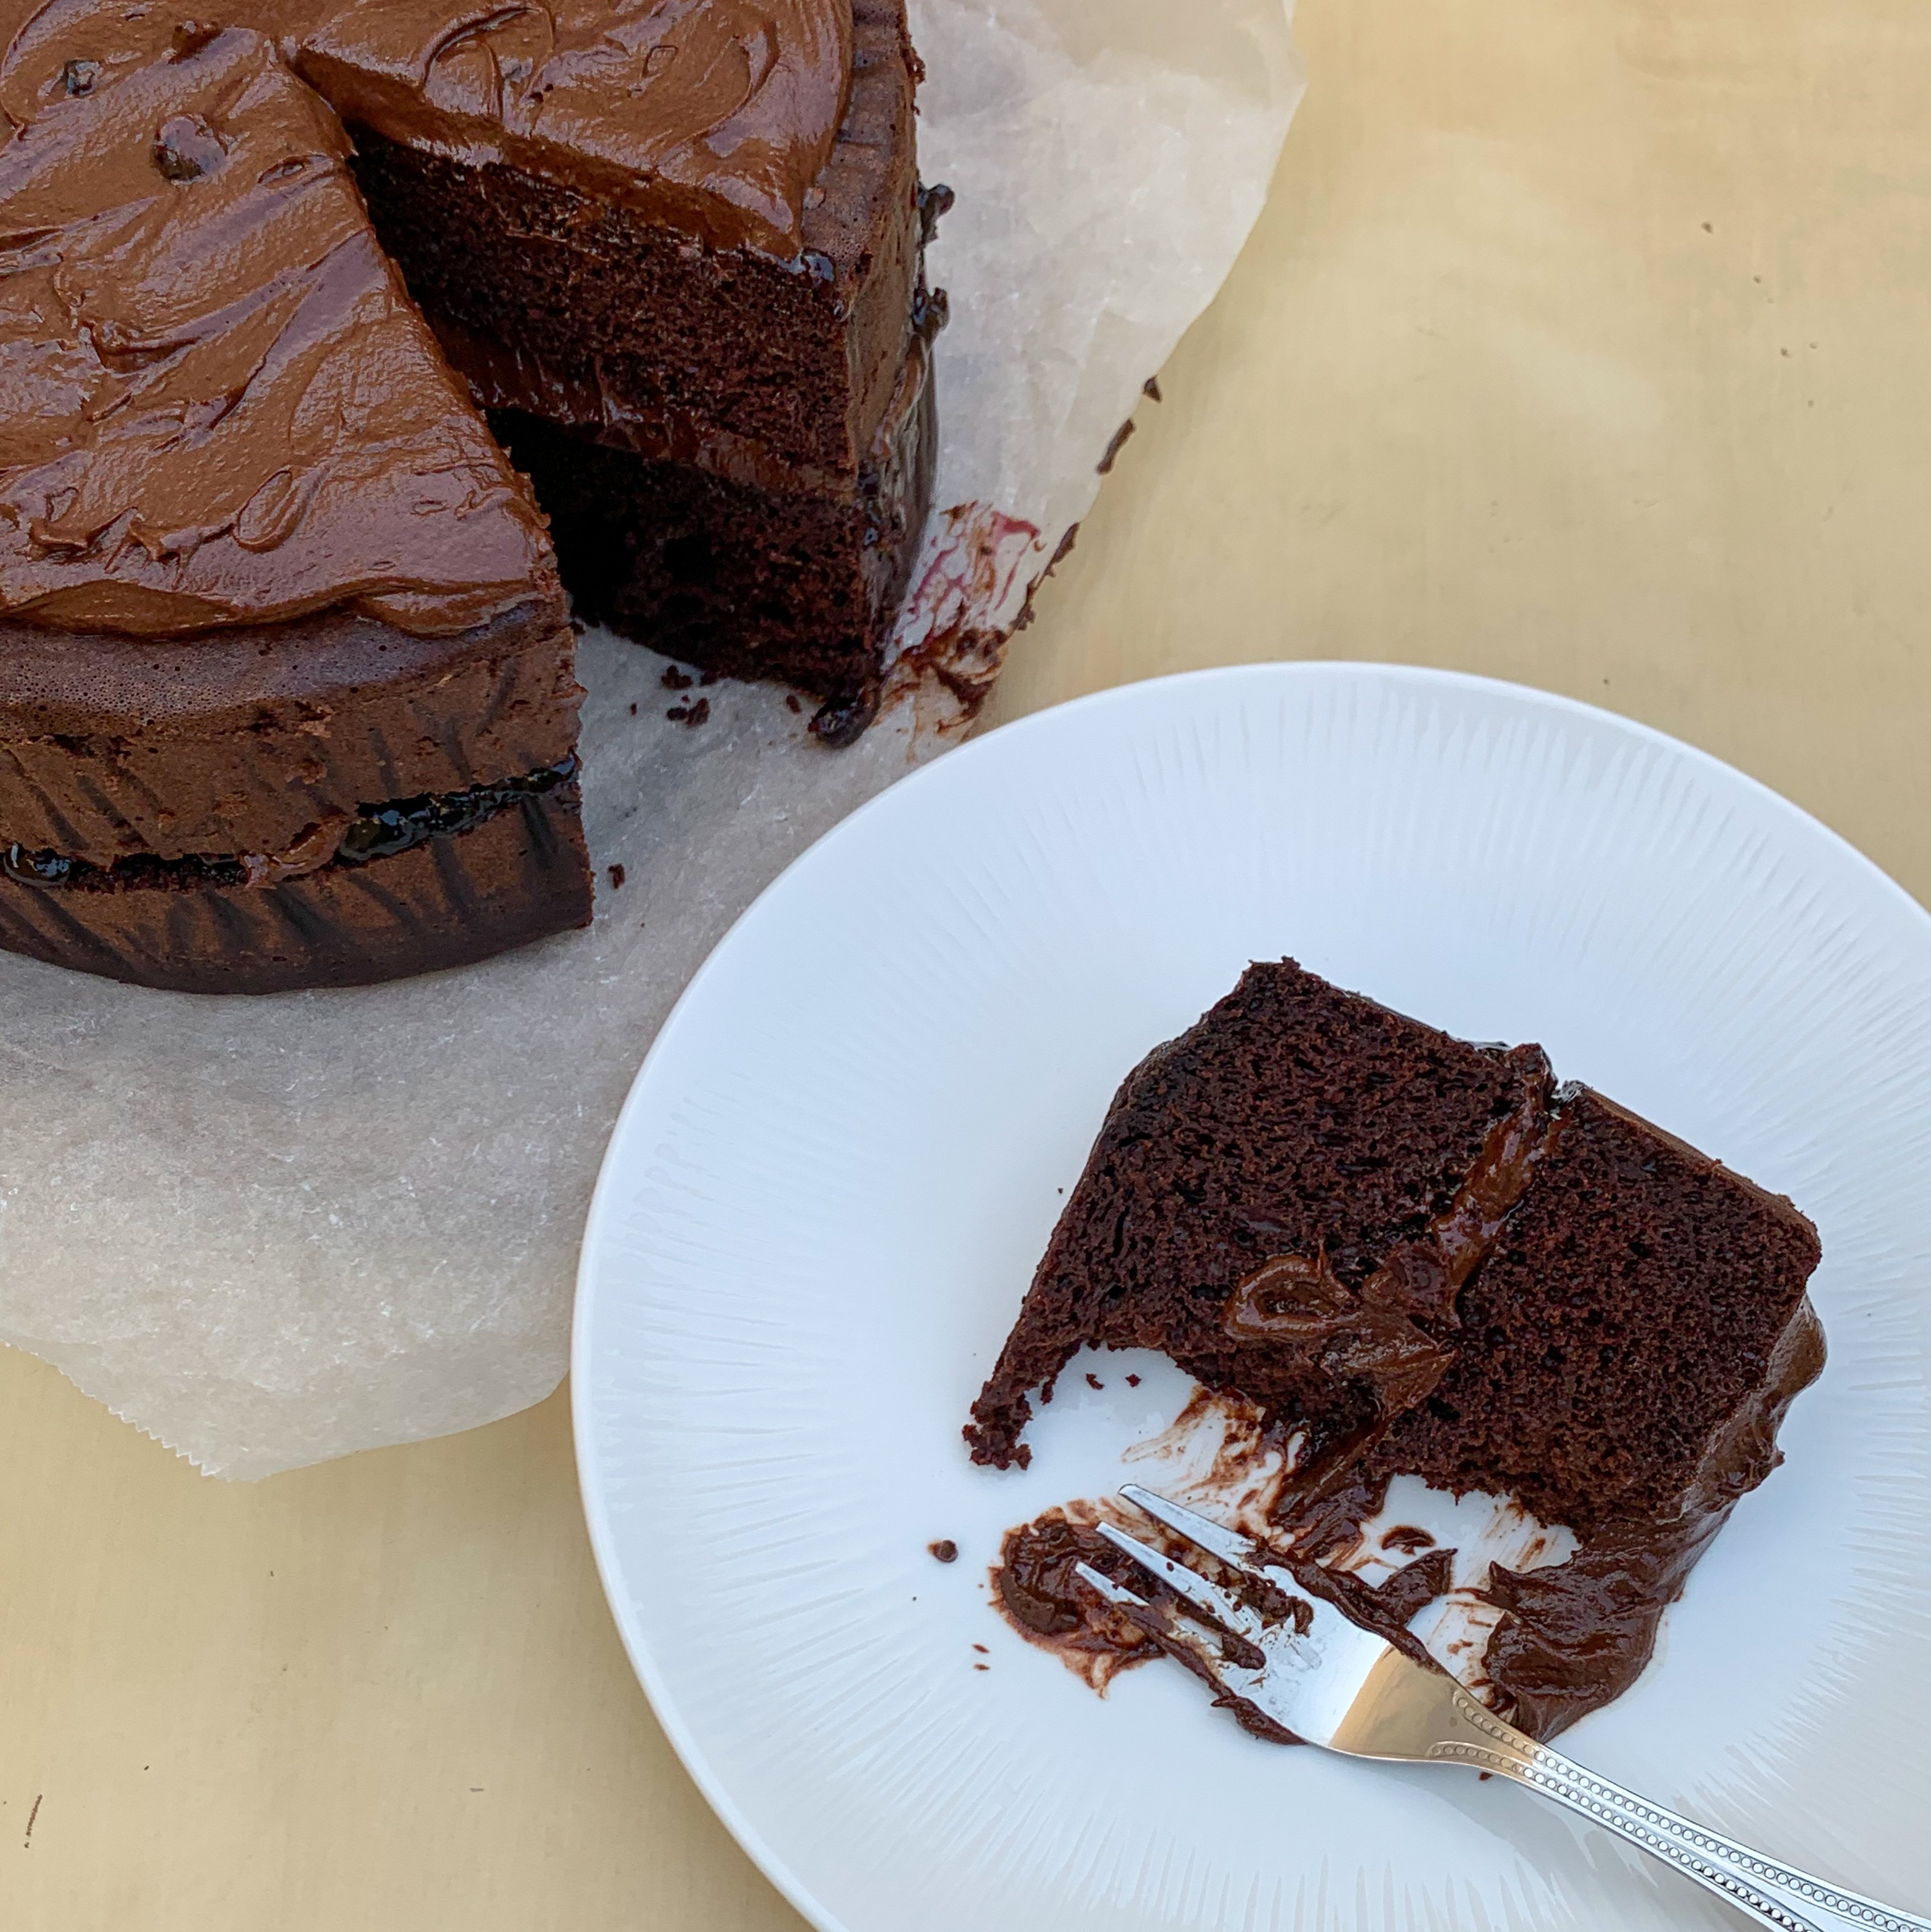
(1581, 345)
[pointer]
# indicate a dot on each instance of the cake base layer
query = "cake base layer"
(448, 899)
(795, 587)
(257, 740)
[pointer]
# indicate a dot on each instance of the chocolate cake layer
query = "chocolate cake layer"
(260, 739)
(517, 873)
(743, 581)
(1416, 1257)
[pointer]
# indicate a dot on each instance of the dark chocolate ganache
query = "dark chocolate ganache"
(377, 832)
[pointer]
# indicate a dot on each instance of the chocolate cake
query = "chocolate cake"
(1420, 1256)
(286, 695)
(286, 689)
(722, 394)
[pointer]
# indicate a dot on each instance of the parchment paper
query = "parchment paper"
(268, 1232)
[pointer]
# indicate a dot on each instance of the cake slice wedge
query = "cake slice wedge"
(1417, 1256)
(1295, 1123)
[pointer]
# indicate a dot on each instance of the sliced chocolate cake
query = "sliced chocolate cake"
(286, 689)
(676, 250)
(1418, 1256)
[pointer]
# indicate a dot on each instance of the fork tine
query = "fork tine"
(1229, 1545)
(1203, 1596)
(1186, 1643)
(1117, 1595)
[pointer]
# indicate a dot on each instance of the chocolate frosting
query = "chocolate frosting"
(220, 406)
(1379, 1338)
(1038, 1590)
(1301, 1302)
(713, 116)
(1579, 1632)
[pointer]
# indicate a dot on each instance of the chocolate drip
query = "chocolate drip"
(1579, 1632)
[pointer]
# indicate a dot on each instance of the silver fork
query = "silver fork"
(1333, 1684)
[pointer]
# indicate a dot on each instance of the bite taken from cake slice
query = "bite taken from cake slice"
(1418, 1256)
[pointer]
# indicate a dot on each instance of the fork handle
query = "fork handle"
(1776, 1894)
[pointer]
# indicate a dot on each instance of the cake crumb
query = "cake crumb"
(1093, 1380)
(1113, 449)
(633, 709)
(675, 679)
(1151, 388)
(617, 876)
(982, 1649)
(981, 1666)
(691, 715)
(1132, 1381)
(791, 701)
(945, 1549)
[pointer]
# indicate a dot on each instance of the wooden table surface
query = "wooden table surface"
(1582, 344)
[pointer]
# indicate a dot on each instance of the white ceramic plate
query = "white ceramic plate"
(847, 1149)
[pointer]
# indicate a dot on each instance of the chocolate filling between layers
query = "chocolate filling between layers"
(745, 581)
(377, 832)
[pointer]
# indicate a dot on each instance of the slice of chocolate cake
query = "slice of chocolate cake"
(286, 689)
(675, 250)
(1416, 1256)
(1295, 1120)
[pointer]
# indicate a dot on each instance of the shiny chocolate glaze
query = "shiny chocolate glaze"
(715, 119)
(221, 406)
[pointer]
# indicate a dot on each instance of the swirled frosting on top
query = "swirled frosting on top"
(217, 405)
(714, 116)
